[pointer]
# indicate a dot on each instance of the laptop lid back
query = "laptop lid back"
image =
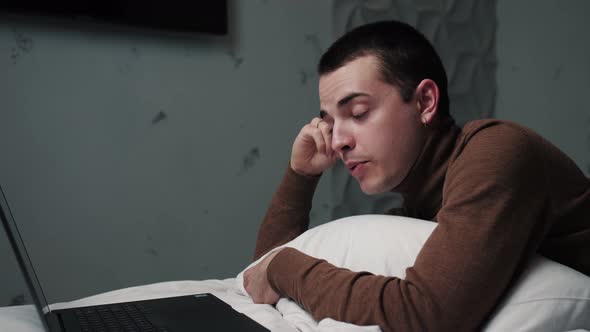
(23, 259)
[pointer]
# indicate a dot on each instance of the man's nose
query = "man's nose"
(342, 140)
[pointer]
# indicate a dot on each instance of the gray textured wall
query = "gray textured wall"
(132, 157)
(544, 71)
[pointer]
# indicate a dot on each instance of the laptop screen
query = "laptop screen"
(22, 257)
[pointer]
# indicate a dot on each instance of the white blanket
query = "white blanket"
(287, 316)
(25, 319)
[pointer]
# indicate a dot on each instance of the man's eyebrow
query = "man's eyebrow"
(349, 97)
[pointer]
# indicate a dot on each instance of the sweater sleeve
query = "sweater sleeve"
(489, 223)
(288, 214)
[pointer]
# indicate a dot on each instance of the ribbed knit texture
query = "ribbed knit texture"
(499, 193)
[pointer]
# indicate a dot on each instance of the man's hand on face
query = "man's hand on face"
(257, 285)
(312, 150)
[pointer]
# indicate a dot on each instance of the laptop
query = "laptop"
(198, 312)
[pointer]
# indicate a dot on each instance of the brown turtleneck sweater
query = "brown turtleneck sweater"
(499, 193)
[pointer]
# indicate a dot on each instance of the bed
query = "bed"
(547, 297)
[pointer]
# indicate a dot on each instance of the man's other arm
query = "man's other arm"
(288, 214)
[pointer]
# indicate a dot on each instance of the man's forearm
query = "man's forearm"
(288, 214)
(361, 298)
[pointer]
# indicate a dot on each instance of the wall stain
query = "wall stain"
(152, 252)
(314, 41)
(250, 159)
(18, 299)
(557, 73)
(205, 212)
(302, 77)
(238, 60)
(135, 52)
(127, 66)
(24, 45)
(14, 55)
(159, 117)
(124, 68)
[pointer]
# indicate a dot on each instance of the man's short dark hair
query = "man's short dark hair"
(406, 57)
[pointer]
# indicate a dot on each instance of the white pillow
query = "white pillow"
(548, 297)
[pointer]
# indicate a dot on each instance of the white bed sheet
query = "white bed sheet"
(288, 318)
(24, 318)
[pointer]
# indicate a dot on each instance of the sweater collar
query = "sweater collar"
(422, 187)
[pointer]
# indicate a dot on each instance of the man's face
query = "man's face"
(376, 134)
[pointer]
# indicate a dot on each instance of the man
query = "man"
(498, 191)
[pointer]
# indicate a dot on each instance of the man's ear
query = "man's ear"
(427, 97)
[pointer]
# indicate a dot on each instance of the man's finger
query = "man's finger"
(314, 122)
(326, 130)
(318, 138)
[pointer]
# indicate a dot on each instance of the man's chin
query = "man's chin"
(371, 189)
(376, 187)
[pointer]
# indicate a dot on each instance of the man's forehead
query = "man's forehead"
(359, 76)
(364, 66)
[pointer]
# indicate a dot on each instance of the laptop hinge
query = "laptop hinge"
(54, 322)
